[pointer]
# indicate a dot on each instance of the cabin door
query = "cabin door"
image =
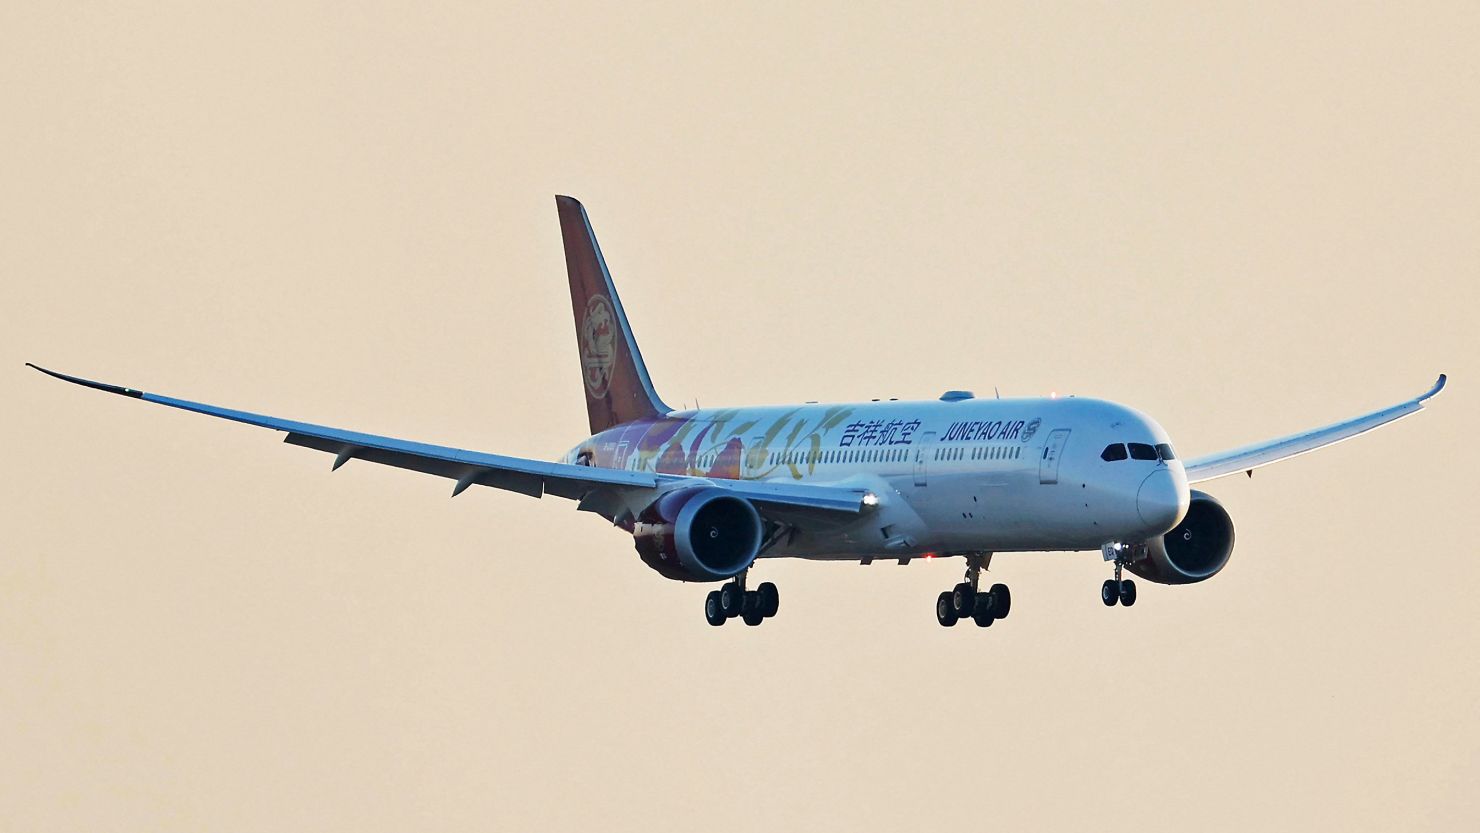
(923, 450)
(1053, 449)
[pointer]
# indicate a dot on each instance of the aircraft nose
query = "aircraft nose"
(1159, 502)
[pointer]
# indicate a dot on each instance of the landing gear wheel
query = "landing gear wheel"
(1127, 592)
(945, 612)
(712, 612)
(982, 613)
(770, 599)
(963, 599)
(731, 599)
(751, 610)
(1110, 592)
(1001, 601)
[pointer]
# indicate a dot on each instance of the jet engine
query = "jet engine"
(1195, 550)
(698, 534)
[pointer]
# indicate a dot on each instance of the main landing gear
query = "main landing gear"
(731, 600)
(965, 601)
(1117, 589)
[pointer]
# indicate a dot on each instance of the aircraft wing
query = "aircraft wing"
(1251, 457)
(515, 474)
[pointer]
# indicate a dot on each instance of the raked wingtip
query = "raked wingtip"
(88, 383)
(1438, 386)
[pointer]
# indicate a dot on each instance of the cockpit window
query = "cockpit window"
(1142, 451)
(1113, 452)
(1165, 451)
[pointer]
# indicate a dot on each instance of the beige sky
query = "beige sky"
(1244, 222)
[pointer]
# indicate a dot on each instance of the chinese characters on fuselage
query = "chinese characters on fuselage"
(878, 432)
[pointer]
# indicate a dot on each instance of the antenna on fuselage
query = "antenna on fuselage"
(996, 391)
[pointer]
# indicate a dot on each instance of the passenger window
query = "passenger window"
(1142, 451)
(1165, 451)
(1113, 452)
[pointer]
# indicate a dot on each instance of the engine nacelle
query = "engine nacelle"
(698, 534)
(1195, 550)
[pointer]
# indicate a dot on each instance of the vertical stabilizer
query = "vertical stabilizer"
(616, 382)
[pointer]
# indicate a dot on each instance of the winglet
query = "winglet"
(87, 383)
(1438, 386)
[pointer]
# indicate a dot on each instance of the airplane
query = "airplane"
(707, 493)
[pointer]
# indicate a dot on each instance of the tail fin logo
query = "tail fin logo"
(598, 345)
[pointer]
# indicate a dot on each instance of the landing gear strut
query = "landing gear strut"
(966, 601)
(1118, 589)
(732, 600)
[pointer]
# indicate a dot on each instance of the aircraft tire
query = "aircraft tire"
(1109, 593)
(1001, 601)
(983, 615)
(749, 602)
(753, 615)
(770, 599)
(963, 600)
(712, 612)
(731, 600)
(1127, 592)
(945, 613)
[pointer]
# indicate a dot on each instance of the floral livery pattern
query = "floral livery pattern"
(720, 444)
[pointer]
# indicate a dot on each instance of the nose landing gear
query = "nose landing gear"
(732, 600)
(1118, 589)
(965, 601)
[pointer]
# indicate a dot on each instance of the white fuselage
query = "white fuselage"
(950, 476)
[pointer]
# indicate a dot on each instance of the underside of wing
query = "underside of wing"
(602, 490)
(467, 468)
(1253, 456)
